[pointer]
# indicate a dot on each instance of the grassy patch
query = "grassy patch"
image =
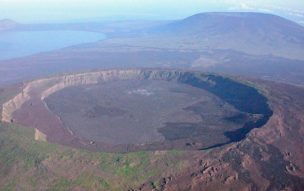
(61, 184)
(33, 165)
(10, 186)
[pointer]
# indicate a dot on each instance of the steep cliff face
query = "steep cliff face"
(12, 105)
(87, 79)
(29, 108)
(45, 87)
(223, 88)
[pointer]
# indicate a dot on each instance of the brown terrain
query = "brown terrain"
(269, 158)
(116, 110)
(205, 132)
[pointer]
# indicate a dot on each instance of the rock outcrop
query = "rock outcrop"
(12, 105)
(45, 87)
(39, 136)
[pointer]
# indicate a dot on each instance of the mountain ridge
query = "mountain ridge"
(7, 24)
(239, 19)
(249, 32)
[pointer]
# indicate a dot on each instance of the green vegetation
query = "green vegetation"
(31, 165)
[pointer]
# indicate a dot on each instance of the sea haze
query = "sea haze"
(18, 44)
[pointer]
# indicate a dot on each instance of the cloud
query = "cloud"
(244, 5)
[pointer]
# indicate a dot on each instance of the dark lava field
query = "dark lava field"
(147, 110)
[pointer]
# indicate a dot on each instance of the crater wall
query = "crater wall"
(244, 98)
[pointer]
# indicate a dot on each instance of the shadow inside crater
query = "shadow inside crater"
(244, 98)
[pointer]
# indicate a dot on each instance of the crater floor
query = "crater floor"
(143, 112)
(139, 109)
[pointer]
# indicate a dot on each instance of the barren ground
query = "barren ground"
(141, 112)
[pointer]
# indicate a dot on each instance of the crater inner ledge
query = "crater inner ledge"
(139, 109)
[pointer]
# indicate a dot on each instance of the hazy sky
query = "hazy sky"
(67, 10)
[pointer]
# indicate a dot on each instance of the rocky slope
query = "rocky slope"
(270, 158)
(45, 87)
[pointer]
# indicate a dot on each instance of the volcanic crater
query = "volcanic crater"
(139, 109)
